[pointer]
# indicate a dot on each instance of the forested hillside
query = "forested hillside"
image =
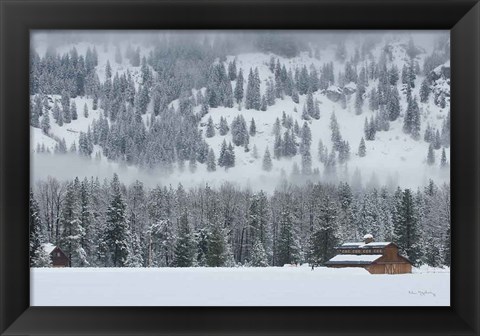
(214, 149)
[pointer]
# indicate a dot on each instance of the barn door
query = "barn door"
(389, 269)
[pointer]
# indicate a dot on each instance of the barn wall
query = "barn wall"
(390, 268)
(59, 261)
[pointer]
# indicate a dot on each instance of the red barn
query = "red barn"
(58, 257)
(375, 257)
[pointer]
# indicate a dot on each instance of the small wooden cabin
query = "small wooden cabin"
(58, 257)
(375, 257)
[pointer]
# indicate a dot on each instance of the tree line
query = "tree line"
(109, 224)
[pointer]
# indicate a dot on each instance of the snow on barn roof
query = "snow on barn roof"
(48, 247)
(353, 259)
(363, 245)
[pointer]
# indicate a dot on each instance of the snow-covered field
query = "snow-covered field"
(273, 286)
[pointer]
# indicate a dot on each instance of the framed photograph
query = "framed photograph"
(240, 168)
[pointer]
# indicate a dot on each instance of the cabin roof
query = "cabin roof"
(48, 247)
(363, 245)
(353, 259)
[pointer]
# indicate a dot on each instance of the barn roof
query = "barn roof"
(353, 259)
(48, 247)
(363, 245)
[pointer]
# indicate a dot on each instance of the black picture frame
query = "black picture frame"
(18, 17)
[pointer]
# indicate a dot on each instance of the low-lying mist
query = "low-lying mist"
(68, 166)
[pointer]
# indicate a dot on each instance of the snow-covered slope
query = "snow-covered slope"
(392, 157)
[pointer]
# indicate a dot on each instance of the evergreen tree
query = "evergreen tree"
(223, 158)
(425, 90)
(310, 107)
(57, 114)
(406, 228)
(67, 117)
(411, 124)
(85, 110)
(437, 142)
(443, 162)
(73, 110)
(428, 135)
(316, 110)
(210, 128)
(35, 111)
(204, 109)
(289, 146)
(305, 115)
(267, 161)
(362, 149)
(306, 162)
(334, 127)
(270, 93)
(344, 152)
(38, 257)
(258, 255)
(393, 104)
(445, 137)
(238, 93)
(184, 247)
(116, 235)
(253, 98)
(430, 155)
(393, 75)
(239, 131)
(263, 105)
(211, 165)
(448, 248)
(324, 236)
(432, 255)
(330, 164)
(232, 70)
(306, 138)
(217, 247)
(295, 96)
(373, 102)
(288, 244)
(73, 232)
(142, 100)
(370, 129)
(85, 145)
(255, 152)
(253, 128)
(359, 99)
(45, 125)
(223, 126)
(230, 156)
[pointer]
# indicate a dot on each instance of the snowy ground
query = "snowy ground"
(273, 286)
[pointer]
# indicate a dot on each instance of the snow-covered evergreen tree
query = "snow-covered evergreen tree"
(430, 155)
(362, 149)
(210, 133)
(238, 92)
(184, 247)
(116, 235)
(253, 129)
(223, 126)
(406, 230)
(211, 165)
(267, 161)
